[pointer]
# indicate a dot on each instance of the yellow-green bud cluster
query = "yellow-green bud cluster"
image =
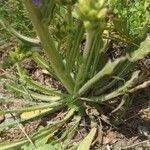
(92, 12)
(18, 56)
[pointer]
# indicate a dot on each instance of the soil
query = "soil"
(125, 129)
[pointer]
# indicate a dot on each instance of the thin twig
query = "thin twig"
(21, 128)
(133, 145)
(119, 106)
(141, 86)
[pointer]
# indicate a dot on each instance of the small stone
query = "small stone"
(2, 118)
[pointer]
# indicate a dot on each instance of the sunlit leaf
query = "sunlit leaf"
(86, 143)
(30, 114)
(142, 51)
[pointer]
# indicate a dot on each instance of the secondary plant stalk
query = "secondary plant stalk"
(48, 45)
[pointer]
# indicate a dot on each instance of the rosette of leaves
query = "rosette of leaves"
(87, 74)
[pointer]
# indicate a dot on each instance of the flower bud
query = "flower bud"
(92, 12)
(102, 13)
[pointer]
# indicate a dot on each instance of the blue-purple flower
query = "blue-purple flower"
(37, 2)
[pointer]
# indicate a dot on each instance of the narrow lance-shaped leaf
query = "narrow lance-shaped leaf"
(40, 97)
(27, 109)
(28, 40)
(42, 138)
(7, 125)
(50, 131)
(13, 145)
(108, 69)
(86, 143)
(125, 88)
(43, 63)
(69, 133)
(127, 67)
(72, 54)
(142, 51)
(81, 76)
(42, 88)
(120, 91)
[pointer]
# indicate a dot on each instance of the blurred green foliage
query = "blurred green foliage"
(134, 14)
(14, 13)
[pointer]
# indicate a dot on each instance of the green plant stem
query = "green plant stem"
(72, 54)
(81, 74)
(48, 45)
(70, 26)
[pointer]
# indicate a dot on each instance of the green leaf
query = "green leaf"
(107, 70)
(142, 51)
(22, 91)
(86, 143)
(121, 90)
(7, 125)
(28, 109)
(12, 145)
(121, 25)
